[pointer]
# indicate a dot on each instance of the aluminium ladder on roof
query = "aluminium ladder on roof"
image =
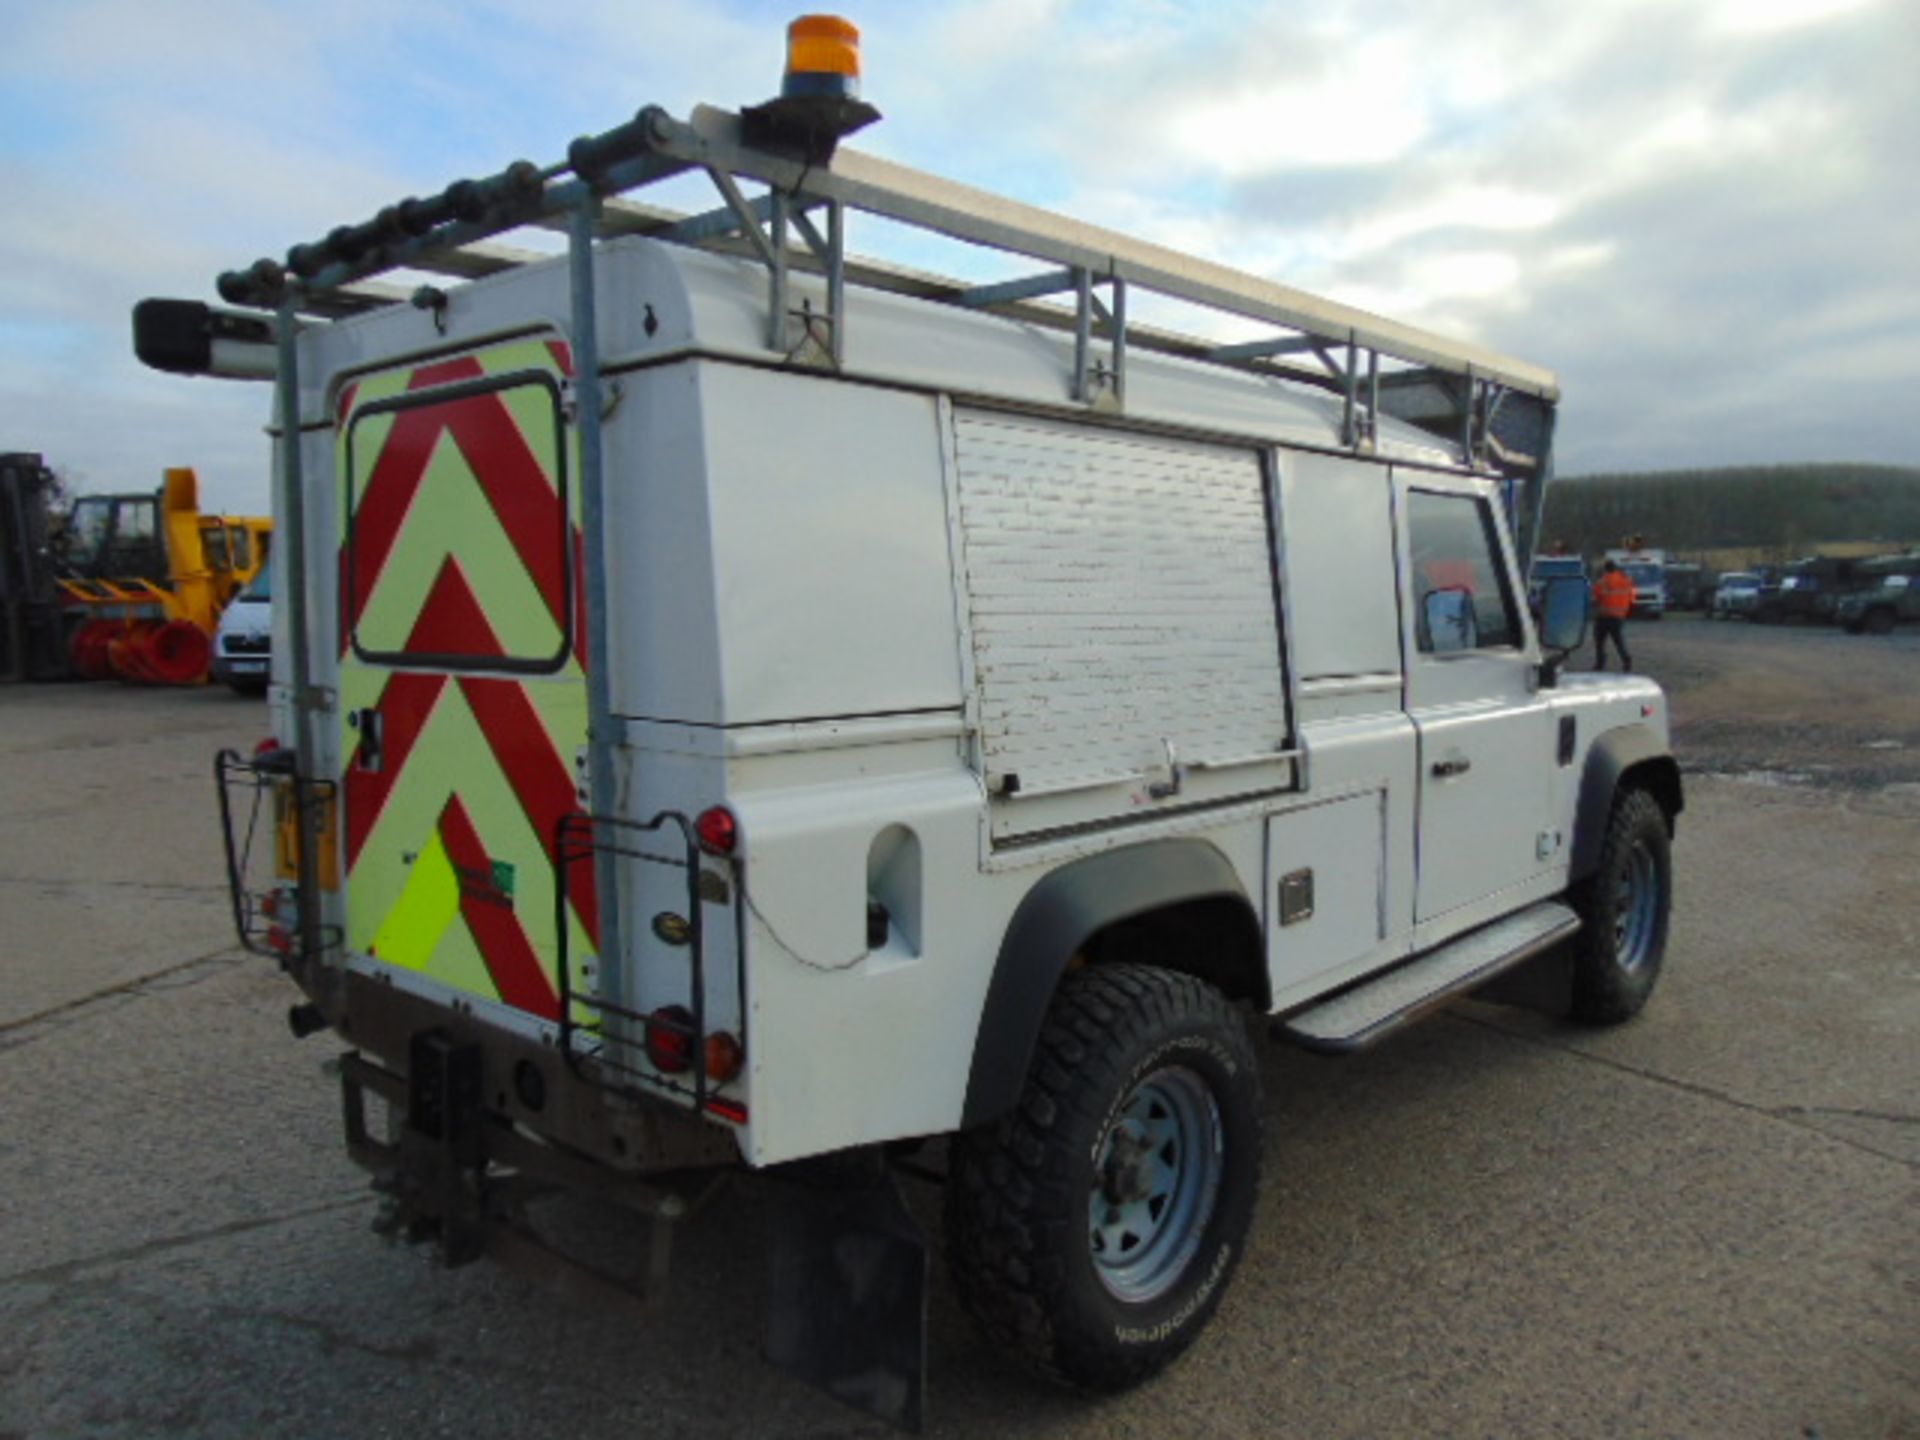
(1499, 410)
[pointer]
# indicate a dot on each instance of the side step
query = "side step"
(1356, 1018)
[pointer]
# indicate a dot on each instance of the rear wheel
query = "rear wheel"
(1092, 1231)
(1625, 906)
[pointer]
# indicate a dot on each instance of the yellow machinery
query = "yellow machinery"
(148, 575)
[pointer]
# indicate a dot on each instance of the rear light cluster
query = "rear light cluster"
(670, 1029)
(717, 831)
(278, 909)
(670, 1046)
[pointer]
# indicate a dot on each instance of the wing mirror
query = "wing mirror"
(1564, 612)
(1450, 620)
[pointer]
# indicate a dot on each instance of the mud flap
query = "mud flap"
(847, 1296)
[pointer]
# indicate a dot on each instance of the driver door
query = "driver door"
(1486, 739)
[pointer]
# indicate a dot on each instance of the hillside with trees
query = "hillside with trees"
(1781, 510)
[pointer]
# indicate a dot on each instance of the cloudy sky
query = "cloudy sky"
(1705, 214)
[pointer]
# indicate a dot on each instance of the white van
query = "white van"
(243, 643)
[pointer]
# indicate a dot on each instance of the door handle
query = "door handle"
(367, 755)
(1447, 769)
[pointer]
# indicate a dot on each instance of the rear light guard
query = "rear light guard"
(679, 1033)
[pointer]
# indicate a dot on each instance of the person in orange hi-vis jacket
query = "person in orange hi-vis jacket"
(1612, 603)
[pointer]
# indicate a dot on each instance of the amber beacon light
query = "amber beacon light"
(823, 58)
(819, 100)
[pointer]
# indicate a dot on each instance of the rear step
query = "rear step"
(1356, 1018)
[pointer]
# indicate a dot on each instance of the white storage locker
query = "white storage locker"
(1124, 620)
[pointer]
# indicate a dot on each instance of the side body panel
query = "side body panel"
(1351, 840)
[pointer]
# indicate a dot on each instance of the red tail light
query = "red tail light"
(667, 1047)
(717, 830)
(266, 747)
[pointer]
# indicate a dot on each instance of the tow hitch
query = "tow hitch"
(458, 1179)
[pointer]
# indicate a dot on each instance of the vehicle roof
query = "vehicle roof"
(663, 300)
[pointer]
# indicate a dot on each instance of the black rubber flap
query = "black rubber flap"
(847, 1298)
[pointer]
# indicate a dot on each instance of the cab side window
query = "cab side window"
(1460, 593)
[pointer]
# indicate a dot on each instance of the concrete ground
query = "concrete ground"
(1705, 1223)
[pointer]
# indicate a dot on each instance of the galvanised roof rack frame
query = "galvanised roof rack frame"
(449, 235)
(1499, 410)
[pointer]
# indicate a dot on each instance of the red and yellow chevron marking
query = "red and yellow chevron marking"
(460, 551)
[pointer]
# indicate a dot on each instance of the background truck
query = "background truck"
(1647, 568)
(1886, 593)
(1550, 567)
(1689, 587)
(1737, 595)
(1808, 590)
(745, 707)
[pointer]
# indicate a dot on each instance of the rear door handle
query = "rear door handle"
(367, 757)
(1447, 769)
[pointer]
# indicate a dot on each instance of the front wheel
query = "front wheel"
(1093, 1230)
(1625, 906)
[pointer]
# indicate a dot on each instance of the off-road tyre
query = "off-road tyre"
(1625, 907)
(1878, 621)
(1022, 1191)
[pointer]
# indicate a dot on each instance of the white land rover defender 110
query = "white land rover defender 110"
(744, 706)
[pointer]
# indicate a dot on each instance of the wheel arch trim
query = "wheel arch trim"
(1054, 920)
(1626, 754)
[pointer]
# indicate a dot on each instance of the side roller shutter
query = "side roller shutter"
(1122, 607)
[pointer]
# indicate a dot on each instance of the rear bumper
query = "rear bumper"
(522, 1082)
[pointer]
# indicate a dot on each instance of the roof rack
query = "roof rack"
(1498, 410)
(1452, 387)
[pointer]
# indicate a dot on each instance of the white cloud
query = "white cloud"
(1750, 16)
(1363, 107)
(1689, 209)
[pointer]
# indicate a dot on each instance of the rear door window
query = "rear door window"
(457, 524)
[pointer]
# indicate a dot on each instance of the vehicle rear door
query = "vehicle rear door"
(462, 672)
